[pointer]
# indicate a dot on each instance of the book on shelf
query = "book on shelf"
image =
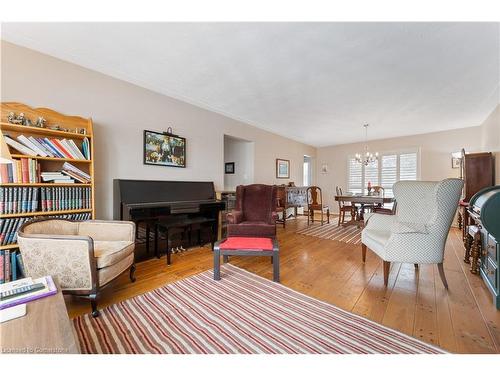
(10, 268)
(20, 171)
(18, 146)
(56, 177)
(67, 167)
(45, 147)
(20, 200)
(48, 290)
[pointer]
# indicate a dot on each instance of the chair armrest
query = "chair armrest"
(379, 221)
(234, 217)
(68, 258)
(108, 230)
(274, 216)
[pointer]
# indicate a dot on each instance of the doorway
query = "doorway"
(238, 162)
(307, 179)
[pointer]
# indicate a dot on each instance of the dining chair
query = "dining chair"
(343, 207)
(381, 208)
(315, 203)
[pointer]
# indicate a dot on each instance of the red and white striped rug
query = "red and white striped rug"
(348, 234)
(242, 313)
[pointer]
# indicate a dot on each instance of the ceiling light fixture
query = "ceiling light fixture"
(366, 158)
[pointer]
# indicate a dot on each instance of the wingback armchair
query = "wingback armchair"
(255, 212)
(83, 256)
(417, 232)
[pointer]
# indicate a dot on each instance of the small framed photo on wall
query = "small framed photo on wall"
(229, 168)
(164, 149)
(282, 168)
(455, 162)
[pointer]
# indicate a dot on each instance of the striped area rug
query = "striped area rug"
(348, 234)
(242, 313)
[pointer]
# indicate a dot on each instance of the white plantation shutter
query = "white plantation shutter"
(386, 171)
(355, 179)
(408, 166)
(389, 173)
(371, 175)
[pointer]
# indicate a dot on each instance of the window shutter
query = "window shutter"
(354, 184)
(408, 166)
(371, 174)
(389, 173)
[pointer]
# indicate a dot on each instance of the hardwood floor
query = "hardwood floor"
(461, 320)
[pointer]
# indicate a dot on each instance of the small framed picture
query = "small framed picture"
(229, 168)
(455, 163)
(282, 168)
(324, 168)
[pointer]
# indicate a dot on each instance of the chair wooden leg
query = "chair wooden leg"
(442, 275)
(328, 216)
(93, 304)
(340, 218)
(363, 252)
(387, 267)
(132, 273)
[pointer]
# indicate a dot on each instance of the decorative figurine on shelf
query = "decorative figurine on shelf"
(40, 122)
(55, 127)
(369, 188)
(11, 117)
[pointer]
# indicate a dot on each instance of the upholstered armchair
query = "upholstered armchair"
(417, 232)
(83, 256)
(255, 212)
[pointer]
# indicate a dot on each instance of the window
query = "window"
(387, 170)
(307, 178)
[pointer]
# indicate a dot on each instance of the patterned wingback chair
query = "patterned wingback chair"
(417, 232)
(83, 256)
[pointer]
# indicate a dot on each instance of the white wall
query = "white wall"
(241, 153)
(121, 111)
(435, 156)
(491, 138)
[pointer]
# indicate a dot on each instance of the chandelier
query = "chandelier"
(367, 157)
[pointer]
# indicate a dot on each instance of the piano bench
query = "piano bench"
(247, 246)
(181, 225)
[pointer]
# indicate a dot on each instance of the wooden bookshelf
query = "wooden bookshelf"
(46, 213)
(73, 127)
(20, 156)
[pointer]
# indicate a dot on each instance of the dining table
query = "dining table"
(363, 201)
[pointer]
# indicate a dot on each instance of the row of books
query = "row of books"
(18, 200)
(76, 173)
(9, 227)
(25, 171)
(11, 266)
(65, 198)
(54, 148)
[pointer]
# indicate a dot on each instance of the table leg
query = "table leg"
(217, 264)
(276, 266)
(475, 253)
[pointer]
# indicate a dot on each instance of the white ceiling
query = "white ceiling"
(313, 82)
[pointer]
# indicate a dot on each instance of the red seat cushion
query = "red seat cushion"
(247, 243)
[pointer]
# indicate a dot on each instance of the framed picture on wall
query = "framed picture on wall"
(282, 168)
(164, 149)
(455, 162)
(229, 168)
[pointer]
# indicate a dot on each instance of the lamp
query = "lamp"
(5, 156)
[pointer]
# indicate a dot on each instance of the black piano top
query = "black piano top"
(147, 191)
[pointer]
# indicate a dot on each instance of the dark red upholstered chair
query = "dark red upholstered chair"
(255, 212)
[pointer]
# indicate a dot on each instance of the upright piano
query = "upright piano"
(149, 201)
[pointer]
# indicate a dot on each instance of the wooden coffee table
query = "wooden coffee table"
(45, 329)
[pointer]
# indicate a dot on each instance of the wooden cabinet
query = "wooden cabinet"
(477, 172)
